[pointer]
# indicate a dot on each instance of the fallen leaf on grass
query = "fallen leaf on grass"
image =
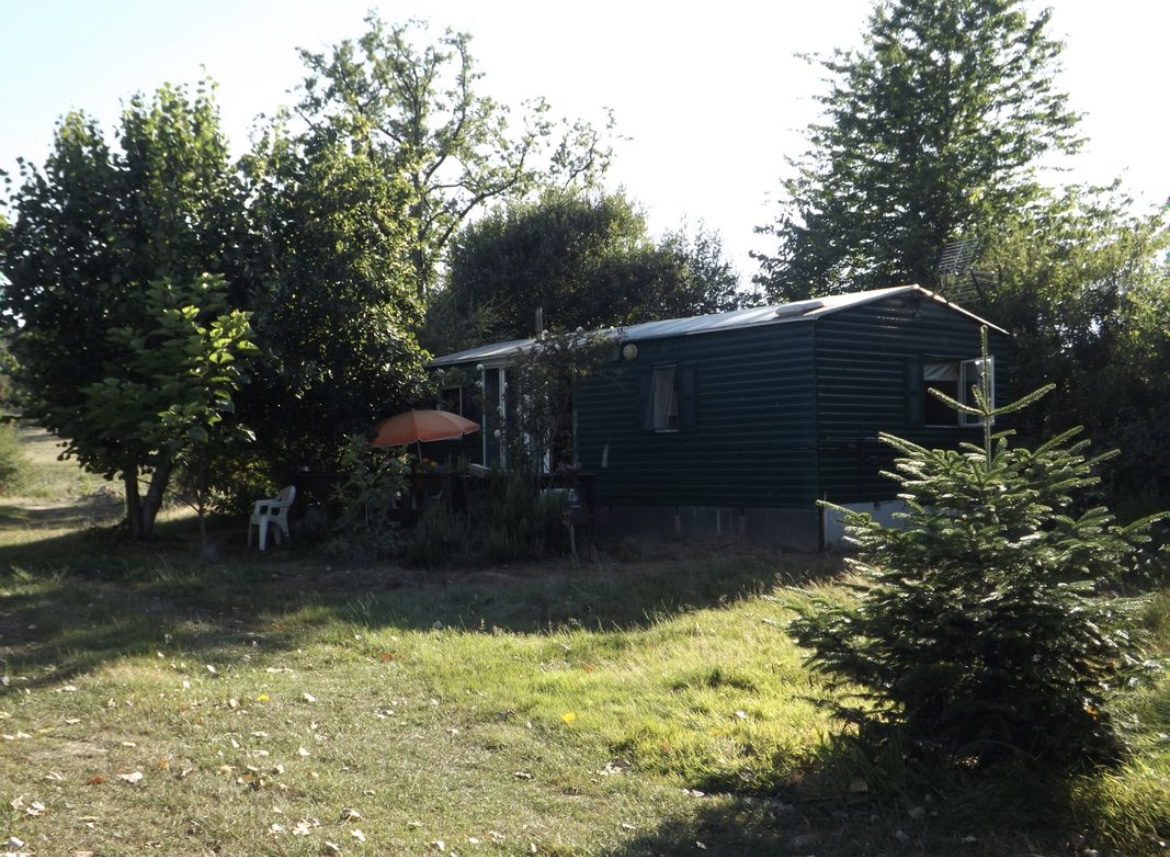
(358, 835)
(96, 780)
(332, 848)
(36, 808)
(308, 697)
(349, 814)
(305, 826)
(132, 778)
(616, 766)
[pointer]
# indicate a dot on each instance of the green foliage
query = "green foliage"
(13, 462)
(985, 625)
(537, 434)
(934, 132)
(931, 133)
(586, 260)
(333, 295)
(517, 514)
(412, 107)
(376, 479)
(173, 389)
(509, 519)
(1078, 278)
(106, 358)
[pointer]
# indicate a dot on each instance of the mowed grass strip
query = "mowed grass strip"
(289, 704)
(145, 719)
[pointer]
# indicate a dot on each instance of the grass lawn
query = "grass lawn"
(647, 702)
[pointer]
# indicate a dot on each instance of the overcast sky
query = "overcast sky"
(711, 95)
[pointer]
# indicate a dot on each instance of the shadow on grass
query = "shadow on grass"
(838, 805)
(72, 602)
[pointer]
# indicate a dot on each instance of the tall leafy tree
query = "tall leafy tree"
(414, 107)
(1080, 277)
(334, 295)
(101, 238)
(169, 395)
(585, 260)
(932, 132)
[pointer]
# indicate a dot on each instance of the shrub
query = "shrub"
(509, 519)
(375, 481)
(13, 464)
(985, 625)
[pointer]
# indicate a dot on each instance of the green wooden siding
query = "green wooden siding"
(752, 442)
(774, 415)
(869, 367)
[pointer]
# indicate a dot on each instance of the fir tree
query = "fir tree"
(931, 132)
(985, 624)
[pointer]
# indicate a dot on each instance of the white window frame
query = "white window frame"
(968, 374)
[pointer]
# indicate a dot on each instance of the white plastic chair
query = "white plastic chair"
(272, 511)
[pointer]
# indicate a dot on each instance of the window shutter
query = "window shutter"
(687, 419)
(645, 404)
(914, 391)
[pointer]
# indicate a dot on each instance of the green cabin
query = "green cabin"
(735, 424)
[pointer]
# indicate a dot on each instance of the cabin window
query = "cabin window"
(664, 399)
(451, 399)
(954, 378)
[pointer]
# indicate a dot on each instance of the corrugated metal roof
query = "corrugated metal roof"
(807, 310)
(497, 352)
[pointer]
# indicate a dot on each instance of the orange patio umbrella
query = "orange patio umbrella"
(420, 427)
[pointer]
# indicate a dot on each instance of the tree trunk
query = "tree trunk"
(141, 511)
(133, 501)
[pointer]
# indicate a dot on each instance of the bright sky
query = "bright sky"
(710, 95)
